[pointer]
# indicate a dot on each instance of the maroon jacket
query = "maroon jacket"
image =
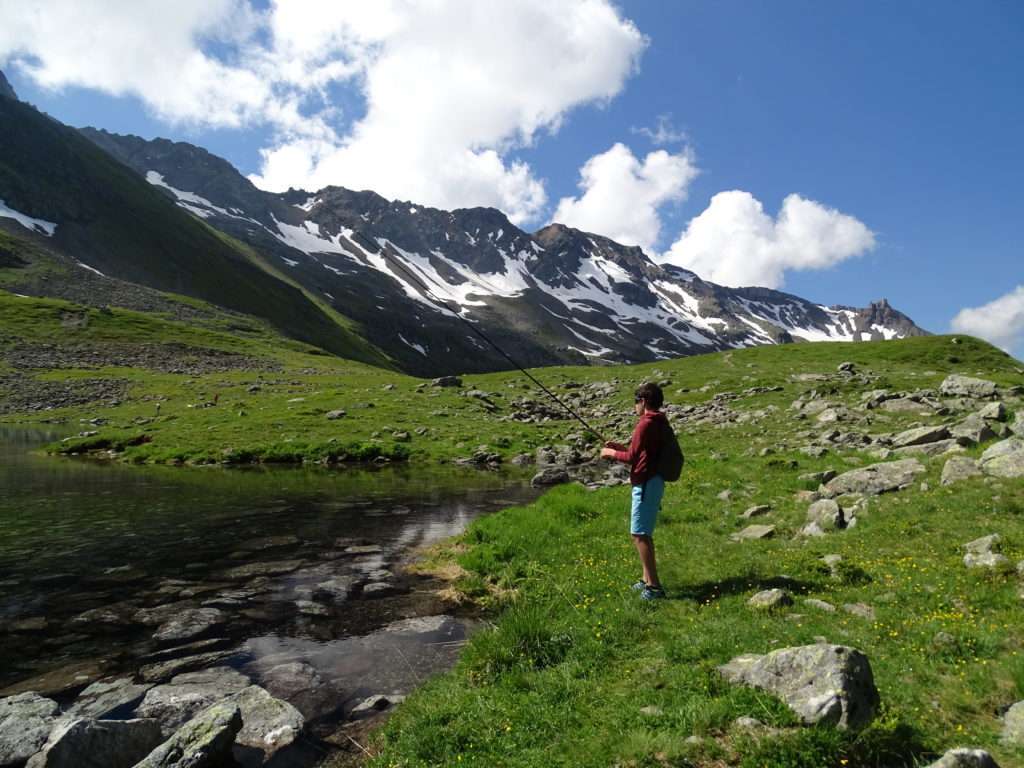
(642, 455)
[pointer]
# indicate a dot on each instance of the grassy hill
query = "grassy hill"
(111, 219)
(572, 669)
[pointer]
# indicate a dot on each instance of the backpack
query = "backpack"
(670, 457)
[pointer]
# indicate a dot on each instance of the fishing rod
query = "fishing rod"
(441, 302)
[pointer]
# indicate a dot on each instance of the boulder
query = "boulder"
(965, 386)
(25, 722)
(770, 599)
(1013, 724)
(446, 381)
(335, 588)
(165, 670)
(972, 430)
(1018, 424)
(1005, 458)
(205, 740)
(827, 514)
(920, 436)
(186, 695)
(189, 624)
(874, 479)
(268, 724)
(817, 478)
(106, 697)
(754, 532)
(930, 449)
(959, 468)
(993, 412)
(965, 758)
(984, 553)
(550, 476)
(821, 683)
(98, 744)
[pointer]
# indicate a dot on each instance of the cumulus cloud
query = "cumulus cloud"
(1000, 321)
(451, 89)
(621, 195)
(735, 243)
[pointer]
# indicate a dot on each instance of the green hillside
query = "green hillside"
(113, 220)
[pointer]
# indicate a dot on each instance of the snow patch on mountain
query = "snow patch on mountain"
(39, 226)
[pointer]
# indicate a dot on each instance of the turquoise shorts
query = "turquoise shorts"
(646, 503)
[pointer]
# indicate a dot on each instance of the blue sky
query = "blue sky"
(907, 118)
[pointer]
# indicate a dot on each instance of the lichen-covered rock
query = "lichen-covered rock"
(874, 479)
(920, 436)
(81, 743)
(770, 600)
(972, 430)
(25, 722)
(186, 695)
(965, 758)
(268, 724)
(203, 741)
(1005, 458)
(828, 684)
(984, 553)
(1013, 724)
(959, 468)
(965, 386)
(827, 514)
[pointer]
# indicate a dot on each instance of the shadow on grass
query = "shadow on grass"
(709, 591)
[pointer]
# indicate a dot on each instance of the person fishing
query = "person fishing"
(651, 437)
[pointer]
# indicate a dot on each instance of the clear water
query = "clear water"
(96, 557)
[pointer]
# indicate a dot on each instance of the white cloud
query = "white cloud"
(735, 243)
(663, 132)
(1000, 321)
(451, 89)
(621, 195)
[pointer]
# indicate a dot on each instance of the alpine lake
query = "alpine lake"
(294, 577)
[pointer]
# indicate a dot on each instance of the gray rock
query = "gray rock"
(930, 449)
(757, 511)
(829, 684)
(863, 610)
(189, 624)
(1013, 724)
(980, 546)
(652, 711)
(993, 412)
(1018, 424)
(25, 722)
(550, 476)
(874, 479)
(1005, 458)
(378, 589)
(817, 478)
(335, 415)
(98, 744)
(984, 553)
(310, 608)
(101, 699)
(205, 740)
(959, 468)
(371, 705)
(965, 386)
(276, 568)
(905, 405)
(972, 430)
(770, 599)
(335, 588)
(920, 436)
(754, 532)
(164, 670)
(446, 381)
(827, 514)
(186, 695)
(965, 758)
(821, 605)
(268, 724)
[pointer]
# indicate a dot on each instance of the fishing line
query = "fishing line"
(441, 302)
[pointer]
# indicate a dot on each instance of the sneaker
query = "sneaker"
(652, 593)
(640, 586)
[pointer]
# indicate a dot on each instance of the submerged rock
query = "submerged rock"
(829, 684)
(189, 624)
(101, 699)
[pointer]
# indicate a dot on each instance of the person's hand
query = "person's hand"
(615, 446)
(607, 453)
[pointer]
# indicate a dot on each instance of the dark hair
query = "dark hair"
(651, 394)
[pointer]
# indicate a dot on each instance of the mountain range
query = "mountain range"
(388, 282)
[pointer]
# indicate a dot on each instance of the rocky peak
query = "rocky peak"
(5, 88)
